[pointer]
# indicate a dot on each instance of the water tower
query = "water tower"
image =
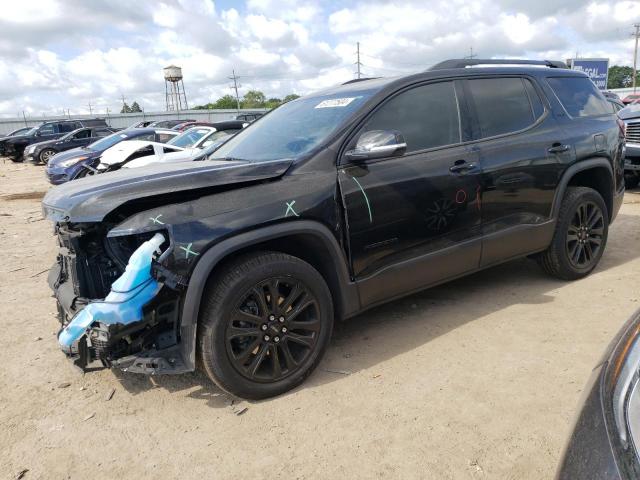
(174, 89)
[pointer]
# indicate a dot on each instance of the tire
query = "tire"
(46, 154)
(17, 159)
(631, 181)
(580, 236)
(252, 347)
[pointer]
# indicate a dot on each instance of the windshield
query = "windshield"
(109, 141)
(293, 129)
(21, 131)
(189, 138)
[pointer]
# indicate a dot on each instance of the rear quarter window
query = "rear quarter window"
(579, 96)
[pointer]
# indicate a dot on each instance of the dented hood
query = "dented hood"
(92, 198)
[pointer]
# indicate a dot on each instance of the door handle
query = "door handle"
(461, 166)
(558, 148)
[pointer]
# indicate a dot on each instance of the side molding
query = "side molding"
(348, 300)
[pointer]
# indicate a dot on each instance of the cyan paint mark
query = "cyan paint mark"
(366, 199)
(157, 219)
(290, 209)
(188, 251)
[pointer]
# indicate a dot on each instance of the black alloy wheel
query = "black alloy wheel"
(580, 235)
(265, 324)
(584, 235)
(273, 329)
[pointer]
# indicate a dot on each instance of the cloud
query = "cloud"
(57, 54)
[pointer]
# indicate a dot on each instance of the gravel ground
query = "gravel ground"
(479, 378)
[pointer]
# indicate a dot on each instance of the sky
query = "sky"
(60, 55)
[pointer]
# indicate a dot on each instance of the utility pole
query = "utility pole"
(235, 86)
(25, 119)
(124, 110)
(471, 55)
(358, 63)
(635, 54)
(90, 110)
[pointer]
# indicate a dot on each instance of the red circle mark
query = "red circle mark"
(461, 196)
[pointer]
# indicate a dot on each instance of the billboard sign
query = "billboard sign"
(596, 68)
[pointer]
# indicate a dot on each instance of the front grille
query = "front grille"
(633, 132)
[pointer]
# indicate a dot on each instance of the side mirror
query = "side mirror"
(378, 144)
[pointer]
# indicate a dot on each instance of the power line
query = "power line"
(471, 55)
(358, 63)
(235, 86)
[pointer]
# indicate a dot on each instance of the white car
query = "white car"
(124, 152)
(198, 143)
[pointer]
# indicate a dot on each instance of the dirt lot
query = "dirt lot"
(475, 379)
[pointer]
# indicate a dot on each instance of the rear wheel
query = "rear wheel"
(46, 154)
(265, 325)
(580, 236)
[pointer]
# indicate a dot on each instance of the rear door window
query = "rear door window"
(83, 134)
(504, 105)
(427, 116)
(66, 127)
(579, 96)
(48, 129)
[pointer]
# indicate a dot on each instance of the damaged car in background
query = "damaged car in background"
(329, 205)
(82, 161)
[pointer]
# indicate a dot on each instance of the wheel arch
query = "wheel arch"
(308, 240)
(594, 173)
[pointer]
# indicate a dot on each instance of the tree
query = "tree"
(253, 99)
(291, 96)
(226, 102)
(125, 108)
(273, 102)
(135, 108)
(621, 77)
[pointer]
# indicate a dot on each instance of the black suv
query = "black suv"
(330, 205)
(43, 151)
(14, 146)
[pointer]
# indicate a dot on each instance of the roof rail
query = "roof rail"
(466, 62)
(355, 80)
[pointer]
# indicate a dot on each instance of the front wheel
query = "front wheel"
(46, 154)
(580, 236)
(266, 323)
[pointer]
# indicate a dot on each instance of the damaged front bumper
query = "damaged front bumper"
(134, 326)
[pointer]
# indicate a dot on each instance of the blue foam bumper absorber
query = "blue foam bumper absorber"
(129, 293)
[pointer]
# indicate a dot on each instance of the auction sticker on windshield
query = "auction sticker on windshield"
(335, 102)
